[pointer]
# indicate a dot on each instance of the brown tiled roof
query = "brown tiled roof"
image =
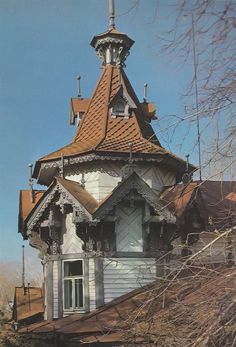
(78, 106)
(79, 193)
(99, 132)
(28, 303)
(26, 205)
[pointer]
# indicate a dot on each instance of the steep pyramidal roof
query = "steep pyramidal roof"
(113, 121)
(98, 131)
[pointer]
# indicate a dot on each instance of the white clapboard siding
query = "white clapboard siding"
(156, 177)
(216, 253)
(129, 229)
(45, 290)
(121, 275)
(100, 183)
(55, 289)
(92, 293)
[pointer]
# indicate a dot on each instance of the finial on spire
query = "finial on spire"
(62, 166)
(79, 87)
(187, 161)
(31, 182)
(112, 47)
(145, 92)
(111, 14)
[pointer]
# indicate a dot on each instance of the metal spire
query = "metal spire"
(111, 14)
(31, 182)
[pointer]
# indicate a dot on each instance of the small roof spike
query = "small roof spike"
(145, 92)
(111, 14)
(79, 87)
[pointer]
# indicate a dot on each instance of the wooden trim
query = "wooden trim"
(86, 285)
(49, 290)
(60, 292)
(133, 255)
(99, 282)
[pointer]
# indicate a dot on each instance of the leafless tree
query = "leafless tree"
(204, 32)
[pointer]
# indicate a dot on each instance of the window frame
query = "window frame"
(118, 113)
(72, 279)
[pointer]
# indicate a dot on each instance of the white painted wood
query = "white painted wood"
(129, 229)
(71, 242)
(156, 177)
(100, 183)
(121, 275)
(217, 253)
(55, 290)
(91, 281)
(45, 289)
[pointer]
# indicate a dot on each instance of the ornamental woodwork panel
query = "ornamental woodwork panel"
(129, 236)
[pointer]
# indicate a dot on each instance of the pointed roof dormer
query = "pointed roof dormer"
(112, 46)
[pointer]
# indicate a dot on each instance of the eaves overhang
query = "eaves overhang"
(165, 159)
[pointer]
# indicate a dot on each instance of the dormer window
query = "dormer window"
(120, 108)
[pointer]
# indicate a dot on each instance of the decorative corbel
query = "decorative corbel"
(36, 242)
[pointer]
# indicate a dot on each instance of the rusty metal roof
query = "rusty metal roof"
(26, 205)
(28, 302)
(100, 320)
(196, 300)
(215, 199)
(79, 193)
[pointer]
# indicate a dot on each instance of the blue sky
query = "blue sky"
(44, 45)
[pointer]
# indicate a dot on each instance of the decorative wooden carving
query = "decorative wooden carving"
(36, 242)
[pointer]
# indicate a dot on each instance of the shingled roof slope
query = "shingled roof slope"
(99, 132)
